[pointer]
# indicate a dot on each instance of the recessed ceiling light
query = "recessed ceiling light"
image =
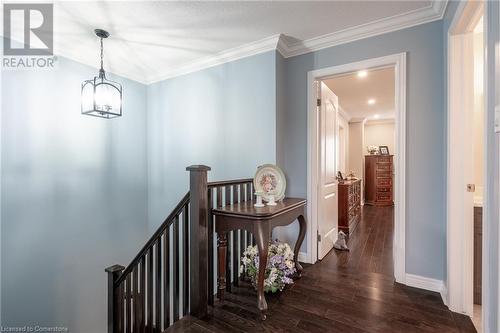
(371, 101)
(362, 74)
(376, 116)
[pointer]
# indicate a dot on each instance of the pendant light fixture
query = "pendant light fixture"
(100, 96)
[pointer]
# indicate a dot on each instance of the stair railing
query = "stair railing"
(220, 194)
(173, 274)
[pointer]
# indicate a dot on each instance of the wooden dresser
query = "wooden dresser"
(378, 180)
(349, 205)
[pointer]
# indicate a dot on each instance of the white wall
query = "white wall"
(343, 146)
(357, 151)
(380, 134)
(491, 249)
(478, 117)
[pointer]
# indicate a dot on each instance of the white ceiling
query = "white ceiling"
(151, 40)
(354, 92)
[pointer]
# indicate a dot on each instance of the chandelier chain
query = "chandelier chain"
(102, 54)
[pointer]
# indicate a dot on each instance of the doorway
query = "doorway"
(466, 161)
(398, 63)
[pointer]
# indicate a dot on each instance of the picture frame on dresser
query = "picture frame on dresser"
(383, 150)
(340, 177)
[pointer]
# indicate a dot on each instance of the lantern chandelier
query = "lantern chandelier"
(100, 96)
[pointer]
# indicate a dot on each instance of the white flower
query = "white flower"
(275, 272)
(251, 251)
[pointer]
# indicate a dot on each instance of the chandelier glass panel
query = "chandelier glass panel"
(101, 97)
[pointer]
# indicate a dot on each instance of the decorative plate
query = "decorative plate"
(270, 180)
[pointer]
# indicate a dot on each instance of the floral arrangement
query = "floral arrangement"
(372, 149)
(279, 270)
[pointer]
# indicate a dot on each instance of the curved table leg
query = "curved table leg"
(300, 239)
(262, 240)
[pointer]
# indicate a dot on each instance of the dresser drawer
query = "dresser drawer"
(384, 196)
(384, 174)
(384, 159)
(384, 167)
(384, 189)
(384, 182)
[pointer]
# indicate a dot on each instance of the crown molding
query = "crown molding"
(243, 51)
(357, 120)
(282, 45)
(291, 48)
(370, 122)
(288, 48)
(433, 12)
(439, 6)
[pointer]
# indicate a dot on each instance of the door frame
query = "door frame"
(398, 61)
(459, 284)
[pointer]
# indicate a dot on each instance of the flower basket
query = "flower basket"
(279, 270)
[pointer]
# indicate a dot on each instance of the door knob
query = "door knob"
(471, 188)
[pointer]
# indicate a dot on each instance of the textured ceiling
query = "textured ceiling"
(152, 38)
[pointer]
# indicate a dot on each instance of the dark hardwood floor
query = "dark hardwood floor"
(346, 292)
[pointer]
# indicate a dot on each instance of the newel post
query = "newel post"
(114, 273)
(198, 239)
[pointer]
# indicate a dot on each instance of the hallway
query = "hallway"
(346, 292)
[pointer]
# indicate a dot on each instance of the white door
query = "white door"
(327, 185)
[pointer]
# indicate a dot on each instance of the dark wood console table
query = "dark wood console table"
(260, 221)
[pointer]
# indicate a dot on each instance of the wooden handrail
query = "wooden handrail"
(230, 182)
(168, 221)
(142, 295)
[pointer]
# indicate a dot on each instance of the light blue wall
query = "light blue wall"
(74, 197)
(75, 188)
(425, 223)
(224, 117)
(280, 108)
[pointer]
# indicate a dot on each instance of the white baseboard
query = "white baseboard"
(303, 257)
(423, 282)
(444, 295)
(426, 283)
(411, 280)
